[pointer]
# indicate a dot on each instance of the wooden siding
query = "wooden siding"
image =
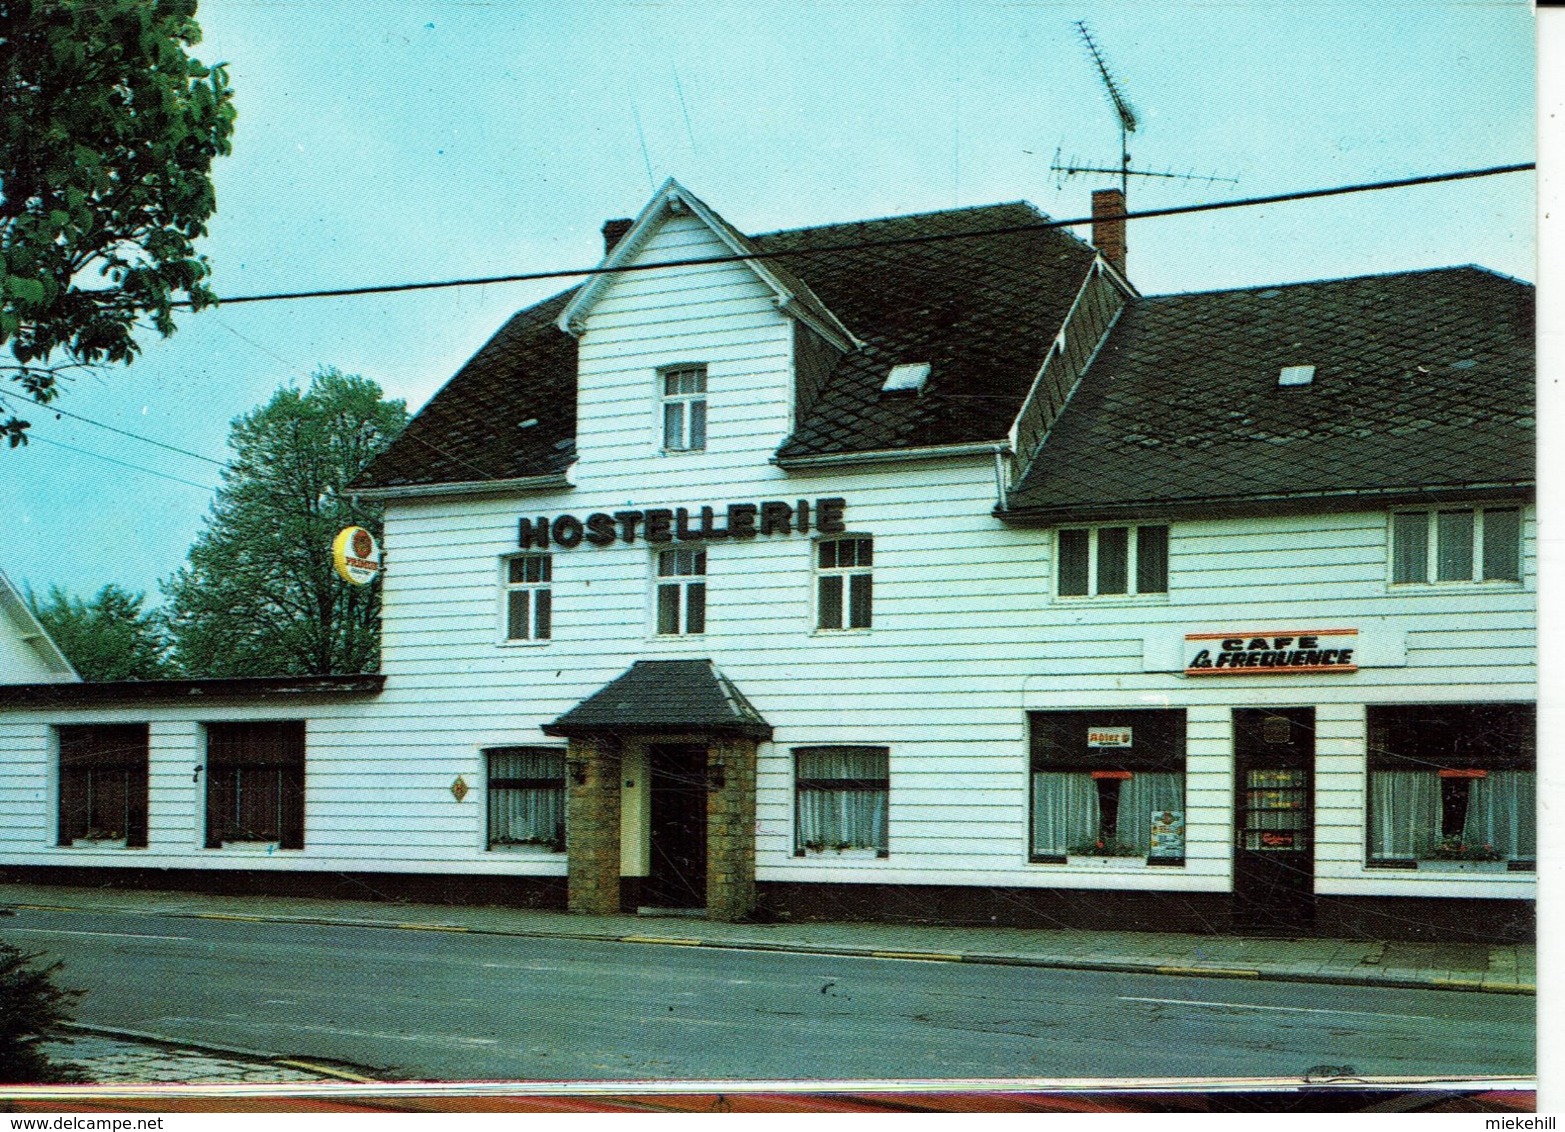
(967, 639)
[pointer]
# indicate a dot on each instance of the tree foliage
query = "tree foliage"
(107, 134)
(33, 1011)
(259, 596)
(107, 638)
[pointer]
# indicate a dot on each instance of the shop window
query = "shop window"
(103, 785)
(1462, 545)
(684, 408)
(681, 592)
(841, 799)
(1450, 784)
(255, 784)
(844, 583)
(1111, 561)
(1108, 784)
(529, 604)
(526, 797)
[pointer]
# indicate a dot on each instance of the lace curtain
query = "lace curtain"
(852, 815)
(1064, 811)
(1141, 796)
(1501, 812)
(1404, 807)
(531, 814)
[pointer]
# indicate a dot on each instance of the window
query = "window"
(844, 586)
(1104, 561)
(526, 797)
(681, 592)
(684, 408)
(1452, 783)
(841, 799)
(1463, 545)
(255, 783)
(103, 785)
(1108, 784)
(529, 607)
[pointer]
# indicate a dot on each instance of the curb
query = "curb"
(1122, 966)
(214, 1049)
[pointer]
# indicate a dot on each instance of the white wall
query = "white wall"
(967, 639)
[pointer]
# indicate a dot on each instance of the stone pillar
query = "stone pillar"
(592, 826)
(730, 831)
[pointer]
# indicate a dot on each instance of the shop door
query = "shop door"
(677, 876)
(1274, 852)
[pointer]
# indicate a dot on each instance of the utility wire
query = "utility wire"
(111, 428)
(826, 249)
(121, 463)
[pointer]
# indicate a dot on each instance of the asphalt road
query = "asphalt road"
(428, 1005)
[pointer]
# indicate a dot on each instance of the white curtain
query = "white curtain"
(532, 814)
(1501, 811)
(1064, 811)
(1139, 798)
(1404, 809)
(852, 815)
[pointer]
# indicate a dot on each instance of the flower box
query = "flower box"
(1447, 865)
(1090, 862)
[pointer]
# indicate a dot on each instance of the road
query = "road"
(429, 1005)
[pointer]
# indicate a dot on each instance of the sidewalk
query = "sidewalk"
(1508, 969)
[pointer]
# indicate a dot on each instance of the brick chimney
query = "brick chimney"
(1108, 226)
(613, 232)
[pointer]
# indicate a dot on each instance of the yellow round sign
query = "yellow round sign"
(356, 555)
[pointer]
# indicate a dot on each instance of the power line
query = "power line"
(122, 463)
(111, 428)
(826, 249)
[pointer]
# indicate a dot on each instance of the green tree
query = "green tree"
(107, 134)
(259, 596)
(32, 1011)
(107, 638)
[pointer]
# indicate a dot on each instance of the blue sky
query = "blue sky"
(403, 141)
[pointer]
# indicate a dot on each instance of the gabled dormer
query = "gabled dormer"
(791, 295)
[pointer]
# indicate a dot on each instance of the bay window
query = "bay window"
(255, 784)
(1108, 784)
(526, 797)
(103, 784)
(841, 799)
(1452, 783)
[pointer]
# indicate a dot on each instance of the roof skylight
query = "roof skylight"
(907, 378)
(1296, 375)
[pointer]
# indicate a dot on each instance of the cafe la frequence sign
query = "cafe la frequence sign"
(1259, 654)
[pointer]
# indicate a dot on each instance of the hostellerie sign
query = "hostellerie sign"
(684, 524)
(1259, 654)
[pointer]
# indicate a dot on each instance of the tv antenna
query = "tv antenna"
(1127, 126)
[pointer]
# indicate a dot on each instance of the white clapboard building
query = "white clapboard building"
(918, 568)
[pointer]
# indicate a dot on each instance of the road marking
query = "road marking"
(522, 967)
(446, 1039)
(660, 939)
(919, 956)
(1214, 972)
(434, 927)
(1289, 1009)
(326, 1071)
(112, 935)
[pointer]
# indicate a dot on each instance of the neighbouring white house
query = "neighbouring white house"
(914, 568)
(27, 653)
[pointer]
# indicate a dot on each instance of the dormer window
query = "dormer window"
(684, 408)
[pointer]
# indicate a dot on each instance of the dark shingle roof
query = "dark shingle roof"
(983, 311)
(664, 696)
(1423, 380)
